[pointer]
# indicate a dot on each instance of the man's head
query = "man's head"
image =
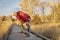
(14, 14)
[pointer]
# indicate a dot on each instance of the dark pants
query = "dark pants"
(28, 25)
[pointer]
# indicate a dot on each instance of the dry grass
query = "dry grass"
(4, 27)
(51, 31)
(47, 28)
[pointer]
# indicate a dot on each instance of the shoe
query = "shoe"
(27, 34)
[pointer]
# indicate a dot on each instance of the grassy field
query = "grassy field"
(4, 27)
(51, 31)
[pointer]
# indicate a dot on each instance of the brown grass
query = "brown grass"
(5, 23)
(51, 31)
(4, 27)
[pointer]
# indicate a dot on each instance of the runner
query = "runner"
(23, 18)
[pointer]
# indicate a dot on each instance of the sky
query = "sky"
(8, 6)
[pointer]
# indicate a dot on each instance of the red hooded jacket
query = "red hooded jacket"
(22, 16)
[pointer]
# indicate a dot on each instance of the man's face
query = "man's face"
(14, 14)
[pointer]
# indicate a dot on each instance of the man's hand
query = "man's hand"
(18, 22)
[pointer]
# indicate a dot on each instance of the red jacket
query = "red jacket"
(22, 16)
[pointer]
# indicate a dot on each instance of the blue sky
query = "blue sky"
(8, 6)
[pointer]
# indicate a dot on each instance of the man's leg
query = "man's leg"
(28, 29)
(22, 27)
(28, 26)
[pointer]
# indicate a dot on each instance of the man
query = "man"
(23, 18)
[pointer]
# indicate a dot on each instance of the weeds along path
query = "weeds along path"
(4, 27)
